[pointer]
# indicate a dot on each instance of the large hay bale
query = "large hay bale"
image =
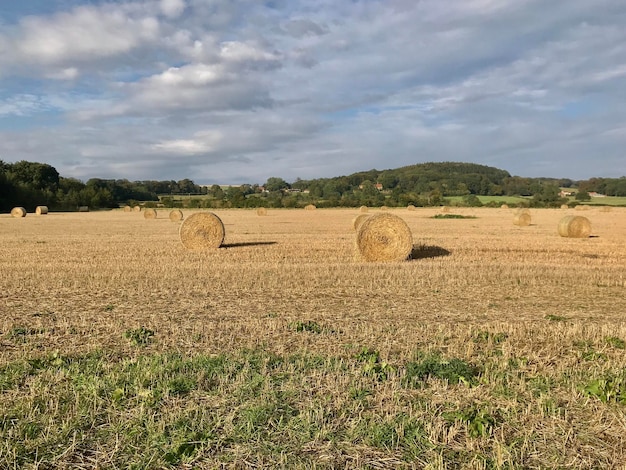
(564, 206)
(410, 207)
(128, 209)
(358, 220)
(363, 209)
(150, 213)
(522, 219)
(137, 209)
(574, 226)
(176, 215)
(310, 207)
(18, 212)
(384, 237)
(41, 210)
(261, 211)
(201, 231)
(445, 209)
(504, 206)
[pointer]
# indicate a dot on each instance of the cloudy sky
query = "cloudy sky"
(236, 91)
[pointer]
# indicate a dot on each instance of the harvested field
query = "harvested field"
(294, 354)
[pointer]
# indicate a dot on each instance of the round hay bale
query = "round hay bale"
(18, 212)
(83, 209)
(128, 209)
(384, 237)
(574, 226)
(384, 208)
(309, 207)
(363, 209)
(504, 206)
(41, 210)
(176, 215)
(522, 219)
(445, 209)
(137, 209)
(410, 207)
(261, 211)
(150, 214)
(358, 220)
(201, 231)
(564, 206)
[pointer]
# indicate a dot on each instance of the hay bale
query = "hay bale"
(358, 220)
(137, 209)
(309, 207)
(128, 209)
(363, 209)
(41, 210)
(384, 237)
(201, 231)
(384, 208)
(176, 215)
(150, 214)
(523, 210)
(83, 209)
(504, 206)
(522, 219)
(564, 206)
(574, 226)
(445, 209)
(18, 212)
(410, 207)
(261, 211)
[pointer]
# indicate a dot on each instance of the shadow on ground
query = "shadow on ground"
(428, 251)
(242, 244)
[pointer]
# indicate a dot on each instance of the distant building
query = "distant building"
(564, 193)
(594, 194)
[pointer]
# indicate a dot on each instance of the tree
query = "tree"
(276, 184)
(582, 196)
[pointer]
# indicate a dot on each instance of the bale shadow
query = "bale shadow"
(242, 244)
(428, 251)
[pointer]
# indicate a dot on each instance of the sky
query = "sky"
(237, 91)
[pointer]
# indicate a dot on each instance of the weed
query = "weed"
(606, 389)
(139, 336)
(452, 370)
(479, 421)
(555, 318)
(309, 326)
(372, 364)
(616, 342)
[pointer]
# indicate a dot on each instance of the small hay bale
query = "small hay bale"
(176, 215)
(310, 207)
(150, 214)
(41, 210)
(261, 211)
(358, 220)
(564, 206)
(384, 237)
(201, 231)
(410, 207)
(574, 226)
(128, 209)
(83, 209)
(504, 206)
(363, 209)
(522, 219)
(445, 209)
(137, 209)
(384, 208)
(18, 212)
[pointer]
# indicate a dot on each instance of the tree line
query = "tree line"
(30, 184)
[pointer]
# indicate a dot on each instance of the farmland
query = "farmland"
(496, 346)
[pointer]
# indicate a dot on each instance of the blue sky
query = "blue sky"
(224, 91)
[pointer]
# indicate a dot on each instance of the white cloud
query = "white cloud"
(172, 8)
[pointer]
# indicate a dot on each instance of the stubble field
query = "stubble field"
(496, 346)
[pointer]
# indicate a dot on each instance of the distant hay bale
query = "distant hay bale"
(176, 215)
(384, 208)
(128, 209)
(358, 220)
(150, 214)
(574, 226)
(504, 206)
(445, 209)
(137, 209)
(261, 211)
(18, 212)
(83, 209)
(309, 207)
(41, 210)
(410, 207)
(564, 206)
(201, 231)
(384, 237)
(522, 219)
(363, 209)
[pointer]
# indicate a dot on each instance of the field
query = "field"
(496, 346)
